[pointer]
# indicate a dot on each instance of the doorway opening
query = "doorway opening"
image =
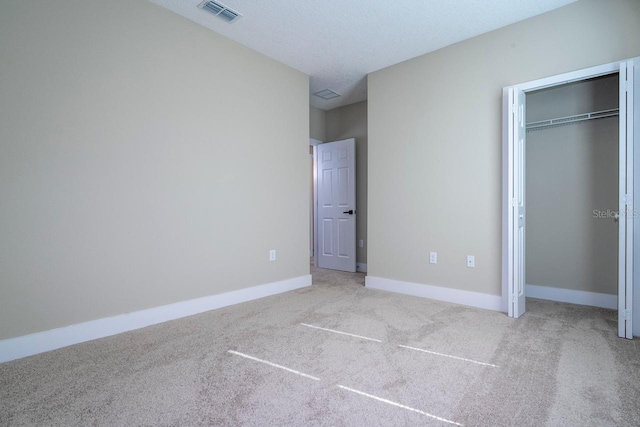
(515, 213)
(571, 190)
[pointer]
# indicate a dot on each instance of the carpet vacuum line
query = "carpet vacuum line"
(352, 390)
(464, 359)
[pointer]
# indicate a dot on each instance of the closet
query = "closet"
(571, 189)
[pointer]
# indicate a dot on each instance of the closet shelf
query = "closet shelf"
(543, 124)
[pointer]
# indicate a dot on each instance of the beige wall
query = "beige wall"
(572, 172)
(317, 124)
(435, 139)
(345, 122)
(144, 160)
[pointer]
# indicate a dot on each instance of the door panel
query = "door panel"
(516, 228)
(343, 187)
(336, 198)
(626, 211)
(327, 237)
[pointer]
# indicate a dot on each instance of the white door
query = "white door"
(336, 214)
(516, 220)
(626, 211)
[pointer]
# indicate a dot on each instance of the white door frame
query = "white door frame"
(510, 212)
(314, 143)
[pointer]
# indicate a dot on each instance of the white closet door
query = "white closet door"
(516, 212)
(626, 211)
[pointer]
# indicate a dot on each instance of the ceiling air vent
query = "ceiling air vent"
(327, 94)
(220, 10)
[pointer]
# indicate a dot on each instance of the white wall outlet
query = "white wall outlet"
(272, 255)
(361, 243)
(433, 257)
(471, 261)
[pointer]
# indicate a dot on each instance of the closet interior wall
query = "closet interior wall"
(572, 188)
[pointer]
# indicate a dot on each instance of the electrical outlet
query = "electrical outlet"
(361, 243)
(471, 261)
(272, 255)
(433, 257)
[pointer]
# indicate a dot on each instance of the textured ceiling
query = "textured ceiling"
(338, 42)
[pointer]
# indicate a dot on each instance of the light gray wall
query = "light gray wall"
(144, 160)
(345, 122)
(435, 139)
(317, 124)
(571, 183)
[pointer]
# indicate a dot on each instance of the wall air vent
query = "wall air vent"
(220, 10)
(327, 94)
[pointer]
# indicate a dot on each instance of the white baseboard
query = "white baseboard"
(361, 267)
(473, 299)
(572, 296)
(27, 345)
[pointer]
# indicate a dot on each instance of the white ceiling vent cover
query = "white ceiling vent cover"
(220, 10)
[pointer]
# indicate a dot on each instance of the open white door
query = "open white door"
(515, 153)
(336, 169)
(626, 211)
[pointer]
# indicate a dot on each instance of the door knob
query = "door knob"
(350, 212)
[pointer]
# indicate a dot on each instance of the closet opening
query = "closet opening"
(565, 255)
(571, 176)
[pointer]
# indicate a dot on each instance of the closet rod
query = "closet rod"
(542, 124)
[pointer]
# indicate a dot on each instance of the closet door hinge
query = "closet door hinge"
(521, 115)
(627, 199)
(626, 314)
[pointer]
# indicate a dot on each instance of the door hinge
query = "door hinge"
(514, 202)
(521, 115)
(628, 199)
(626, 314)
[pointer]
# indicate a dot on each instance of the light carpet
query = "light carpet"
(339, 354)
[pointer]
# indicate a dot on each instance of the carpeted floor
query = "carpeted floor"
(288, 360)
